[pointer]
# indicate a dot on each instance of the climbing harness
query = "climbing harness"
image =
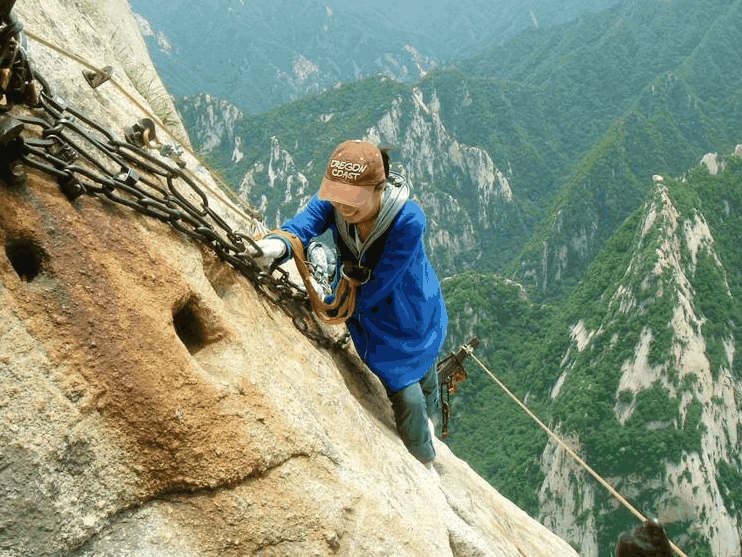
(572, 453)
(86, 159)
(344, 304)
(451, 372)
(352, 272)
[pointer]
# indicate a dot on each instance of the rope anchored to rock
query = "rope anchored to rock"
(573, 454)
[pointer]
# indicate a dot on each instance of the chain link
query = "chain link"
(86, 159)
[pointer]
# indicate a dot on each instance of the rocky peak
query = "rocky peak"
(669, 356)
(458, 185)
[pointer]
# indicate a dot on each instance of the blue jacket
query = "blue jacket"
(400, 320)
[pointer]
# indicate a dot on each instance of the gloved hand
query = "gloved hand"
(272, 249)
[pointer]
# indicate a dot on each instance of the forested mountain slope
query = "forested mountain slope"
(571, 121)
(587, 113)
(638, 370)
(259, 56)
(651, 389)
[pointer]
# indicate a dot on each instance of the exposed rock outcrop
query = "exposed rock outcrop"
(706, 391)
(459, 186)
(127, 429)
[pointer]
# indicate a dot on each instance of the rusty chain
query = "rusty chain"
(86, 159)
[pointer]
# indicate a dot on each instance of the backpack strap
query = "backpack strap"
(352, 273)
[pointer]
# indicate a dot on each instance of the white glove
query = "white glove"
(272, 249)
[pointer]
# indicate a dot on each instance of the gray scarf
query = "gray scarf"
(396, 194)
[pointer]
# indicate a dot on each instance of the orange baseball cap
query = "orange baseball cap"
(354, 171)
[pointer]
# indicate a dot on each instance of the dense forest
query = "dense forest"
(588, 112)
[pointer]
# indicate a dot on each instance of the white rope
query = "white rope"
(218, 193)
(573, 454)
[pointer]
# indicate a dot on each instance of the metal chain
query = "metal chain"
(85, 158)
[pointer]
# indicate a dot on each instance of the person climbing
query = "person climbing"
(399, 322)
(646, 540)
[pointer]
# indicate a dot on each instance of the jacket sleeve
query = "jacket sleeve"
(400, 251)
(308, 224)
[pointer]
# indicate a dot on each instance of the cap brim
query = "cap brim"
(339, 192)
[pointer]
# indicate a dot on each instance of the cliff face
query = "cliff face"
(153, 402)
(664, 356)
(102, 34)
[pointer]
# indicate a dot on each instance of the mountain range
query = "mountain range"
(259, 56)
(578, 235)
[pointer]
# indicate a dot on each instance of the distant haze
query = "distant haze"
(262, 55)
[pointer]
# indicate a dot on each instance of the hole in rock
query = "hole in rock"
(26, 257)
(189, 327)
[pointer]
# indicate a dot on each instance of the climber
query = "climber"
(399, 322)
(646, 540)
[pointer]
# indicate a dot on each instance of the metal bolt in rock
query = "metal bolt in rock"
(96, 78)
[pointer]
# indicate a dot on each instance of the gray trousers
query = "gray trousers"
(412, 407)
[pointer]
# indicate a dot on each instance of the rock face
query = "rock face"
(152, 402)
(100, 34)
(705, 389)
(123, 430)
